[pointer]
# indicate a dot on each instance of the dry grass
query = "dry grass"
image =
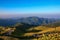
(44, 30)
(8, 38)
(4, 30)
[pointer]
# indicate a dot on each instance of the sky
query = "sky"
(41, 8)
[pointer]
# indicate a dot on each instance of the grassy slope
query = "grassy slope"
(44, 30)
(4, 29)
(8, 38)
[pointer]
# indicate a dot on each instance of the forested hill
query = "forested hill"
(27, 20)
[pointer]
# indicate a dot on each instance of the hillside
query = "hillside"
(30, 28)
(44, 30)
(39, 30)
(27, 20)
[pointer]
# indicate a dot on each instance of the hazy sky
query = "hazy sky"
(43, 8)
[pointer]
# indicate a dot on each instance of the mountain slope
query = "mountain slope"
(27, 20)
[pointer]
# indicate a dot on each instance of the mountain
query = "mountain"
(7, 22)
(35, 20)
(27, 20)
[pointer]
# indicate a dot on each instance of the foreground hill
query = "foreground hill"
(43, 33)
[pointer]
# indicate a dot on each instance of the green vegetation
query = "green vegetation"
(27, 32)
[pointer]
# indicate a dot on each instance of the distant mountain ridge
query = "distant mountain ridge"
(36, 20)
(27, 20)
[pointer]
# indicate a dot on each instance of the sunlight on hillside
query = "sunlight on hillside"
(44, 30)
(50, 30)
(4, 29)
(8, 38)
